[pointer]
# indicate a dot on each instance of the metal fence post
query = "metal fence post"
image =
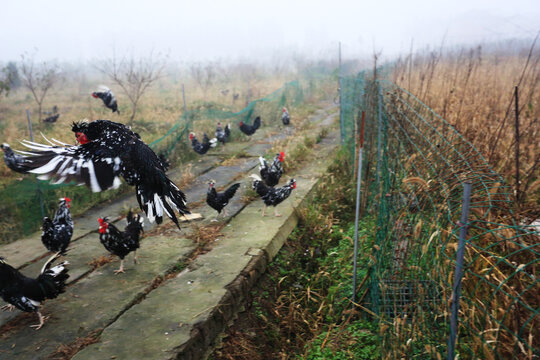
(185, 111)
(379, 132)
(341, 125)
(458, 275)
(340, 92)
(358, 187)
(37, 183)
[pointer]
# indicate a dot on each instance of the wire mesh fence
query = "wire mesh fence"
(414, 168)
(20, 200)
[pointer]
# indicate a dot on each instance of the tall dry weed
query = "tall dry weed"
(472, 88)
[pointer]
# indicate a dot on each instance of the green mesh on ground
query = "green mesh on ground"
(268, 108)
(415, 165)
(20, 200)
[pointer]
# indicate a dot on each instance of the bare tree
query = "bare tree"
(38, 78)
(204, 75)
(4, 84)
(133, 75)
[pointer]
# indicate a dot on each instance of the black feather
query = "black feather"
(26, 293)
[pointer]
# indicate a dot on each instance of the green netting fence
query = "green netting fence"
(414, 169)
(268, 108)
(20, 200)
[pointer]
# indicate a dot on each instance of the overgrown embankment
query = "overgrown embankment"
(301, 308)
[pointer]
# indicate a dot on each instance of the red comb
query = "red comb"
(67, 199)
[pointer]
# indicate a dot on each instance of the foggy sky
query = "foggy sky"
(198, 30)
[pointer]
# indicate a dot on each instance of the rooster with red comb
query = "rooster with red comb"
(109, 150)
(285, 118)
(271, 174)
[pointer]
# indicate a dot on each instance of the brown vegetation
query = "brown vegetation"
(473, 89)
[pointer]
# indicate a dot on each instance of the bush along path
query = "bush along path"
(187, 285)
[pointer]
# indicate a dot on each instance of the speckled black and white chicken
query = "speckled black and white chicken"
(57, 232)
(285, 118)
(202, 148)
(106, 151)
(121, 243)
(223, 134)
(271, 174)
(270, 195)
(26, 294)
(108, 98)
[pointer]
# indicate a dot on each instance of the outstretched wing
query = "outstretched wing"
(92, 164)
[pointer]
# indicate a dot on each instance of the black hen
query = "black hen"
(15, 161)
(270, 195)
(27, 294)
(57, 233)
(271, 174)
(108, 150)
(51, 119)
(285, 118)
(202, 148)
(121, 243)
(218, 201)
(250, 129)
(223, 135)
(108, 98)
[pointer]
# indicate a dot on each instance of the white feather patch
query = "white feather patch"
(116, 182)
(159, 205)
(47, 167)
(94, 184)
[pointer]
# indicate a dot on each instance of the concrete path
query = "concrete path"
(174, 303)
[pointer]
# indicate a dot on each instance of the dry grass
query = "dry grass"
(473, 90)
(187, 176)
(204, 236)
(101, 261)
(66, 352)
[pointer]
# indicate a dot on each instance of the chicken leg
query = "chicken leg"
(121, 269)
(41, 322)
(8, 307)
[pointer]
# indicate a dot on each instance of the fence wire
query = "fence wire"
(415, 165)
